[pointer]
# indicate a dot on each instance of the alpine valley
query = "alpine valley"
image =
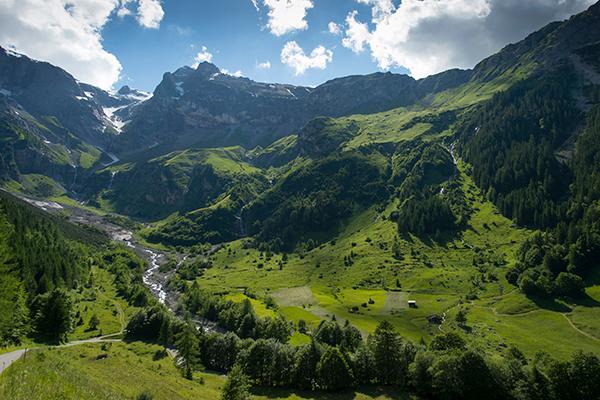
(373, 237)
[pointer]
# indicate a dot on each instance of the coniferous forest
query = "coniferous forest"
(427, 231)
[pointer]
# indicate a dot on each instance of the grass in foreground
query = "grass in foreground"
(125, 370)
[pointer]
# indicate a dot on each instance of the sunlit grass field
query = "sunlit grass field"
(126, 370)
(438, 276)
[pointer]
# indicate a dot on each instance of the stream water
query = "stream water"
(155, 285)
(152, 277)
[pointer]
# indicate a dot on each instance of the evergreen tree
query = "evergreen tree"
(53, 315)
(187, 348)
(387, 352)
(461, 317)
(576, 379)
(94, 322)
(363, 363)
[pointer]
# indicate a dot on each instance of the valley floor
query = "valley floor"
(374, 286)
(467, 272)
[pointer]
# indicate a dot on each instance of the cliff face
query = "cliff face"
(50, 123)
(204, 107)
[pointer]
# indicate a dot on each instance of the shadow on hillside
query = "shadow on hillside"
(375, 392)
(585, 301)
(442, 239)
(550, 304)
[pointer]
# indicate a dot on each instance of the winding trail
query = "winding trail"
(7, 359)
(579, 330)
(564, 315)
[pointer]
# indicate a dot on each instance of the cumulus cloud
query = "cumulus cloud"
(430, 36)
(380, 8)
(264, 65)
(334, 28)
(357, 34)
(67, 33)
(202, 56)
(63, 33)
(293, 55)
(150, 13)
(123, 9)
(286, 16)
(237, 73)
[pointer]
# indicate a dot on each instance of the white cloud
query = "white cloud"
(203, 56)
(380, 8)
(237, 73)
(123, 9)
(63, 33)
(67, 33)
(264, 65)
(150, 13)
(293, 55)
(255, 4)
(334, 28)
(357, 34)
(286, 16)
(429, 36)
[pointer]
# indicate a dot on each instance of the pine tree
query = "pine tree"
(387, 354)
(94, 322)
(187, 348)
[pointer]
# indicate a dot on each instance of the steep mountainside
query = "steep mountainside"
(316, 235)
(204, 107)
(51, 124)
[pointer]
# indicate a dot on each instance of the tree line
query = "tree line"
(513, 142)
(338, 358)
(41, 264)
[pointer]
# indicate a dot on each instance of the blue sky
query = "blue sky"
(109, 43)
(237, 36)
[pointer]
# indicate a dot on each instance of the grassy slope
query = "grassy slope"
(437, 276)
(176, 170)
(130, 368)
(102, 300)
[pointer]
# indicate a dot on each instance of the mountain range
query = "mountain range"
(454, 220)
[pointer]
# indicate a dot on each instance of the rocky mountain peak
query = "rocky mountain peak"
(125, 90)
(206, 70)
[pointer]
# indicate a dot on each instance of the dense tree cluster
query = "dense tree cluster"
(235, 317)
(36, 262)
(207, 225)
(425, 209)
(338, 358)
(511, 141)
(43, 259)
(558, 261)
(314, 198)
(127, 270)
(446, 369)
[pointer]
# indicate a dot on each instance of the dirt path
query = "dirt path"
(7, 359)
(564, 315)
(579, 330)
